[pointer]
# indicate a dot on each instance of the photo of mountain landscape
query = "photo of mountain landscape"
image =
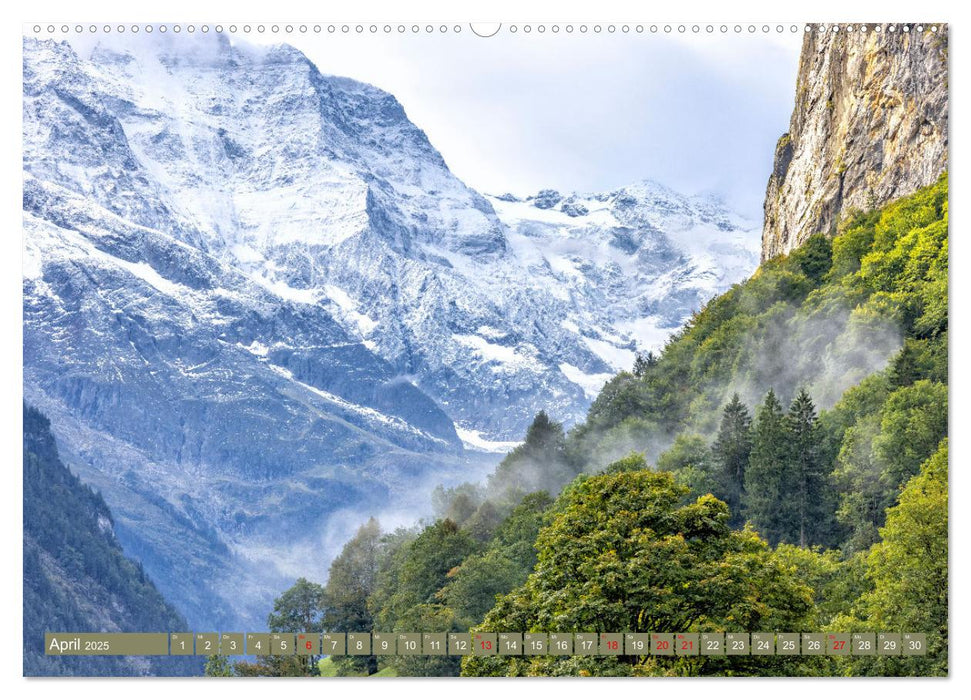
(286, 371)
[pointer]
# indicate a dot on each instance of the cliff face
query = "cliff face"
(869, 125)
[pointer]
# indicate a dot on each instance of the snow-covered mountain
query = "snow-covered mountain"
(258, 305)
(634, 263)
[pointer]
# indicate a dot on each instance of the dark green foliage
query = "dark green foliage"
(406, 594)
(857, 325)
(523, 523)
(299, 609)
(913, 421)
(731, 453)
(643, 363)
(76, 577)
(474, 585)
(787, 495)
(623, 551)
(907, 576)
(350, 584)
(539, 464)
(881, 451)
(805, 482)
(765, 478)
(417, 571)
(814, 257)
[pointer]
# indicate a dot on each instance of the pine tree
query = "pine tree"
(763, 498)
(904, 369)
(643, 363)
(805, 482)
(539, 464)
(731, 451)
(544, 436)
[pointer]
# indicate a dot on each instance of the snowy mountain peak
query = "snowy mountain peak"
(646, 201)
(250, 282)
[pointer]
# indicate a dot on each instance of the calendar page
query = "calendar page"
(515, 349)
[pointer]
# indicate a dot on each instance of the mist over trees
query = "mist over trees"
(731, 452)
(780, 465)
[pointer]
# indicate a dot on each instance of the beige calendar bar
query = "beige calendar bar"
(482, 643)
(106, 644)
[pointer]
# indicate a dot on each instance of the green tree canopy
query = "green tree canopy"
(299, 609)
(623, 552)
(416, 573)
(908, 574)
(351, 581)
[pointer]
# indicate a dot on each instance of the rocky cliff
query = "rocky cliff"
(869, 125)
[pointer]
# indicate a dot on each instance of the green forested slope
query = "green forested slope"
(76, 577)
(780, 465)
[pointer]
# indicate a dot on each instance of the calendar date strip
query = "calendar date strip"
(487, 644)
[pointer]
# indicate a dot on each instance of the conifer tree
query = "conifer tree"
(643, 363)
(763, 498)
(538, 464)
(804, 488)
(543, 433)
(731, 453)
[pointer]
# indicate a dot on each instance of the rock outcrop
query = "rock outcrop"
(869, 125)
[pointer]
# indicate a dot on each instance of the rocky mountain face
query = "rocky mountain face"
(870, 124)
(258, 306)
(634, 263)
(76, 578)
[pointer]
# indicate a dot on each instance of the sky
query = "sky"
(586, 113)
(576, 112)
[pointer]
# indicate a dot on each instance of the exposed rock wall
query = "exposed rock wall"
(869, 125)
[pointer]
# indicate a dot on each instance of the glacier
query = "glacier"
(258, 306)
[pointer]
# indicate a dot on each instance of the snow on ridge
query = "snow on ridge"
(510, 357)
(285, 291)
(256, 348)
(148, 274)
(590, 383)
(359, 218)
(364, 411)
(491, 333)
(473, 440)
(618, 358)
(32, 261)
(75, 243)
(348, 309)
